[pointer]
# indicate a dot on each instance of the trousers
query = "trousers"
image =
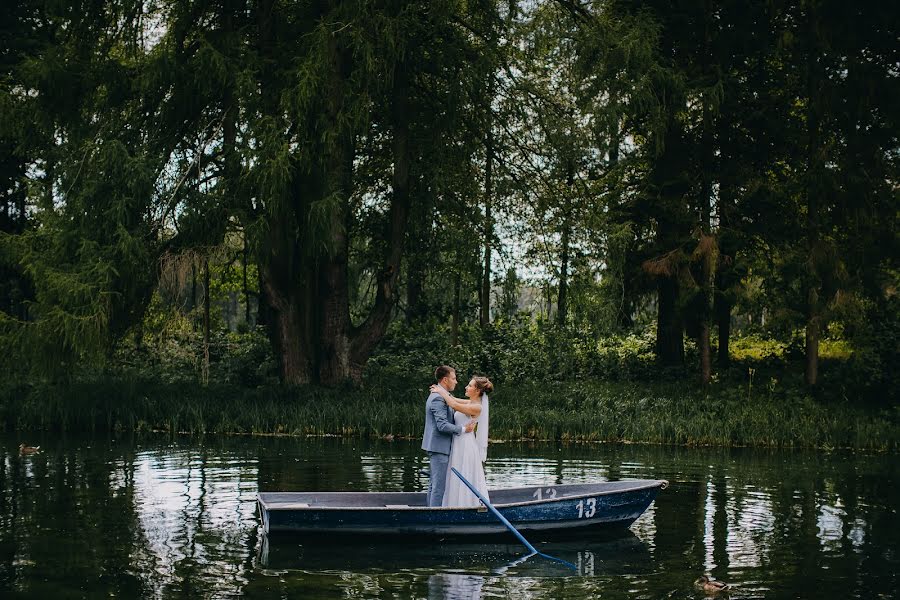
(438, 463)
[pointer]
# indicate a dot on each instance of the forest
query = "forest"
(654, 221)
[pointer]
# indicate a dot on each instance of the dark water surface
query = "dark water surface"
(153, 517)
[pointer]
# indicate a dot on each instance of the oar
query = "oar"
(509, 525)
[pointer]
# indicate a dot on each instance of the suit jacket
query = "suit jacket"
(439, 425)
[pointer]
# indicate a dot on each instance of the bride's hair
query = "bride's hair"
(483, 384)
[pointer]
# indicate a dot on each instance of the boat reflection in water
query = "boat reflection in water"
(455, 563)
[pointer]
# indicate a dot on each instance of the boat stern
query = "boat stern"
(263, 515)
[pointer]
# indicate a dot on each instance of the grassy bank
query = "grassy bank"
(726, 414)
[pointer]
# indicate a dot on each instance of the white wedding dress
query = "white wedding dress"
(466, 455)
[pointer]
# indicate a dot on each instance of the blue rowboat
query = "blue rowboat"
(548, 509)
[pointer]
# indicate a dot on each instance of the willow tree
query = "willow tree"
(14, 288)
(359, 80)
(72, 108)
(165, 124)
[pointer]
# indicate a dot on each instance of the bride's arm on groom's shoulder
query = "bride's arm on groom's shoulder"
(452, 400)
(473, 409)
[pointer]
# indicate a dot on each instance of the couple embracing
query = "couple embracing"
(456, 435)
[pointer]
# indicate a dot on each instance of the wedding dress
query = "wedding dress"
(466, 455)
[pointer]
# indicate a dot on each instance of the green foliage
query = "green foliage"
(518, 350)
(522, 350)
(239, 359)
(510, 288)
(755, 349)
(744, 151)
(168, 347)
(552, 383)
(774, 415)
(869, 371)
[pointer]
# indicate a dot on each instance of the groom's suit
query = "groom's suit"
(438, 438)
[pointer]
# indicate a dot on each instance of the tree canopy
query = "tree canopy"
(373, 161)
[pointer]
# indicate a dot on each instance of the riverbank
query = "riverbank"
(726, 414)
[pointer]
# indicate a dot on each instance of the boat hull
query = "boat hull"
(570, 509)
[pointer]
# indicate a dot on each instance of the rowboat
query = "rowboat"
(543, 510)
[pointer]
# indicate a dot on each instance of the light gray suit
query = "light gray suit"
(438, 438)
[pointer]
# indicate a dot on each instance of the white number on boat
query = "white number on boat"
(585, 563)
(539, 493)
(587, 509)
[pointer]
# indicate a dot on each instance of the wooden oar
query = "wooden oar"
(509, 525)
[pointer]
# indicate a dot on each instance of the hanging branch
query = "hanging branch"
(172, 203)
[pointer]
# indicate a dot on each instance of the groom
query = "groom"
(439, 432)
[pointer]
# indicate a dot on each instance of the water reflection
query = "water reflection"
(614, 553)
(152, 517)
(454, 586)
(190, 506)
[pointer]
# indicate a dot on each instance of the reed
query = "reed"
(591, 411)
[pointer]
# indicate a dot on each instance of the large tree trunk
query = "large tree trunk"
(669, 327)
(815, 163)
(287, 295)
(726, 278)
(293, 361)
(415, 289)
(726, 275)
(811, 372)
(206, 302)
(670, 324)
(287, 287)
(246, 284)
(671, 186)
(562, 303)
(708, 252)
(417, 260)
(723, 321)
(304, 273)
(454, 324)
(334, 326)
(703, 344)
(485, 316)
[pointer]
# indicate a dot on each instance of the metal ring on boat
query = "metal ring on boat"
(664, 485)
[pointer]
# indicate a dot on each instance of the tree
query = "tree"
(231, 114)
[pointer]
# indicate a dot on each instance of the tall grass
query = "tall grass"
(664, 413)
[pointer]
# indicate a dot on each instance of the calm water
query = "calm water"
(154, 517)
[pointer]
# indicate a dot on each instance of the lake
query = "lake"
(163, 517)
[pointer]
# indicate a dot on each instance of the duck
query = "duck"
(26, 450)
(711, 586)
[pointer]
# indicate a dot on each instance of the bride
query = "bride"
(469, 450)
